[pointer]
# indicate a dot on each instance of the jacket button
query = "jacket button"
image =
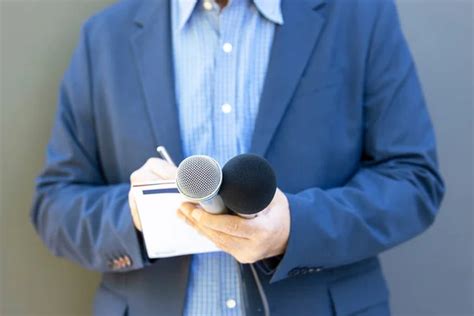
(294, 272)
(121, 262)
(114, 264)
(127, 261)
(124, 261)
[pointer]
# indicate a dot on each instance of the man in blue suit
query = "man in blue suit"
(325, 90)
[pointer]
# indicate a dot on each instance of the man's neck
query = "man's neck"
(222, 3)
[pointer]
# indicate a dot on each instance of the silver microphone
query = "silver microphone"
(199, 179)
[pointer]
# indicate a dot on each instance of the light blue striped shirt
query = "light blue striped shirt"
(220, 61)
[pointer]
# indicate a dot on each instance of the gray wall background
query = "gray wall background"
(433, 274)
(430, 275)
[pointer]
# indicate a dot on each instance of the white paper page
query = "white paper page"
(165, 234)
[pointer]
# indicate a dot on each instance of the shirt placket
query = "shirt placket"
(224, 90)
(226, 135)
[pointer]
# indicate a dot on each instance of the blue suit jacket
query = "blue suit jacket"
(342, 120)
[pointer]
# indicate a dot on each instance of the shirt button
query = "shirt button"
(207, 5)
(231, 303)
(227, 47)
(226, 108)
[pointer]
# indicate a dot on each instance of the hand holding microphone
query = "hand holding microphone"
(247, 186)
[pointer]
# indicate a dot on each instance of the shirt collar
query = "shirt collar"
(270, 9)
(185, 9)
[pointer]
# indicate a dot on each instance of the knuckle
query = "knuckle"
(150, 161)
(233, 226)
(247, 259)
(241, 258)
(187, 207)
(253, 258)
(189, 222)
(134, 176)
(223, 247)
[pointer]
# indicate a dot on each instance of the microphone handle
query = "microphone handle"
(247, 216)
(214, 205)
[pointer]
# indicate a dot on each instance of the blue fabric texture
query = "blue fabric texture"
(218, 90)
(340, 116)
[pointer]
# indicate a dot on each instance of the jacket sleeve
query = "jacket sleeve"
(396, 192)
(77, 214)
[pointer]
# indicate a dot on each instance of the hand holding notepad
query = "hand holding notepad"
(245, 186)
(164, 233)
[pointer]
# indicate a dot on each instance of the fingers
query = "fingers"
(228, 224)
(247, 240)
(154, 169)
(134, 211)
(224, 241)
(161, 168)
(235, 246)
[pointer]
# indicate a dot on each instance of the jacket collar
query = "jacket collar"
(152, 50)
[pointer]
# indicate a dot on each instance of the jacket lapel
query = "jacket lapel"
(293, 43)
(152, 48)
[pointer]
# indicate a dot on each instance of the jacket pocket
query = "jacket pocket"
(358, 292)
(106, 302)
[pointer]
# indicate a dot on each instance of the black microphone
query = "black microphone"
(248, 184)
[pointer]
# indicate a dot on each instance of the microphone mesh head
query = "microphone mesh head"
(248, 184)
(199, 177)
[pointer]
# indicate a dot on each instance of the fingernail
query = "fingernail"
(197, 213)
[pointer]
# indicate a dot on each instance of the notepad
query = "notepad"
(164, 233)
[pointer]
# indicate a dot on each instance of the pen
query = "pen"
(164, 154)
